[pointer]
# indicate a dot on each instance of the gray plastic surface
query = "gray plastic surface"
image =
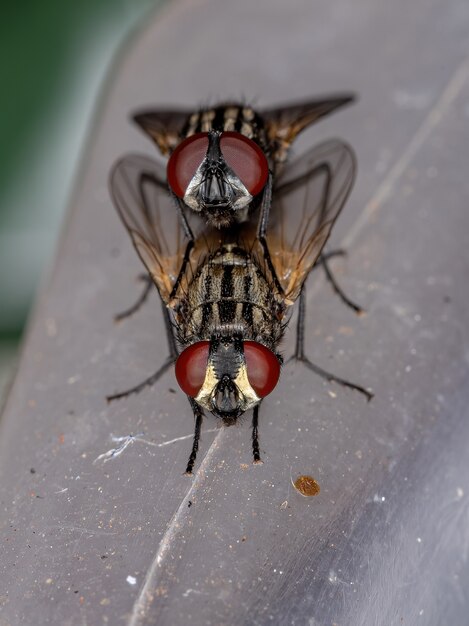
(128, 539)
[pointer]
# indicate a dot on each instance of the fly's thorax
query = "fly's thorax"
(228, 118)
(230, 291)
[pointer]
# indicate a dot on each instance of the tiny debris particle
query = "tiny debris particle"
(307, 486)
(131, 580)
(32, 470)
(189, 504)
(332, 394)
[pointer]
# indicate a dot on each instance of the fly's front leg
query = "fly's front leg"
(300, 354)
(255, 436)
(198, 414)
(169, 361)
(262, 229)
(265, 208)
(182, 216)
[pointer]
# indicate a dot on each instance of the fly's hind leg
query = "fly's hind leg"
(173, 354)
(300, 354)
(146, 279)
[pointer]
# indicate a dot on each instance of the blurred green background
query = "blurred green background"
(54, 57)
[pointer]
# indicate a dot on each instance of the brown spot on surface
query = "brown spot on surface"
(307, 486)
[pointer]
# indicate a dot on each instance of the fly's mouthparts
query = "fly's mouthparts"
(226, 399)
(214, 190)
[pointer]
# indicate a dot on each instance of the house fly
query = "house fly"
(224, 161)
(227, 294)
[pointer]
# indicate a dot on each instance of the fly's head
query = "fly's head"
(227, 375)
(218, 174)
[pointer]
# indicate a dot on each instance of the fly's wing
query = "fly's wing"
(140, 193)
(306, 203)
(283, 124)
(163, 126)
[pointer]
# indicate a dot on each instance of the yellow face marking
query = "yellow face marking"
(248, 397)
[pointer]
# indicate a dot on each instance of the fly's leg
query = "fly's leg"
(322, 168)
(146, 383)
(173, 354)
(330, 254)
(255, 436)
(262, 229)
(198, 414)
(300, 355)
(146, 278)
(182, 216)
(324, 261)
(265, 208)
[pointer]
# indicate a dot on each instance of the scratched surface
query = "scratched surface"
(91, 536)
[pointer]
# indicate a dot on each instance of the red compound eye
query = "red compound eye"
(184, 162)
(243, 156)
(262, 366)
(246, 159)
(191, 367)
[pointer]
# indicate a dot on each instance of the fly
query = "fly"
(227, 294)
(223, 160)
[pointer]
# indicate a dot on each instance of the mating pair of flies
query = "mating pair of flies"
(229, 232)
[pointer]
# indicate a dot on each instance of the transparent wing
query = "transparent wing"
(140, 193)
(163, 126)
(306, 202)
(283, 123)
